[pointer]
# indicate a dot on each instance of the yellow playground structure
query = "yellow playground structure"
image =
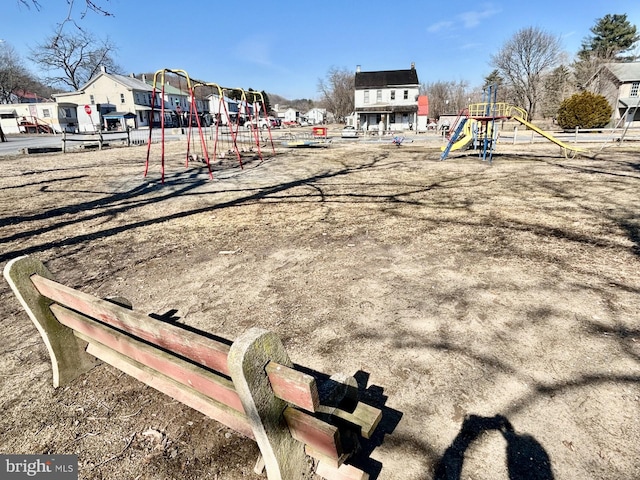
(476, 127)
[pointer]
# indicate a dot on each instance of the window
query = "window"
(122, 98)
(378, 96)
(366, 96)
(393, 94)
(67, 113)
(634, 89)
(92, 100)
(406, 95)
(46, 113)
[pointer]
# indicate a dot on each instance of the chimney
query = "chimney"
(413, 65)
(144, 78)
(357, 68)
(132, 75)
(103, 69)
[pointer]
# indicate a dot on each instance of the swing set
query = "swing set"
(229, 133)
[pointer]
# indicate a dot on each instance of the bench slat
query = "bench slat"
(293, 386)
(182, 380)
(206, 382)
(191, 345)
(323, 437)
(182, 393)
(312, 452)
(344, 472)
(365, 416)
(320, 436)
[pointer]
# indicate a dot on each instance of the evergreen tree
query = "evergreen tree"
(584, 110)
(612, 37)
(267, 101)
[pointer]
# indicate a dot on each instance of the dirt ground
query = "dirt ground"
(493, 309)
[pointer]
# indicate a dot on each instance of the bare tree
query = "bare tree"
(86, 7)
(448, 97)
(523, 62)
(557, 87)
(338, 92)
(73, 59)
(14, 76)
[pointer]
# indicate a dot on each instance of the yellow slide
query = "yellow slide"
(464, 140)
(548, 136)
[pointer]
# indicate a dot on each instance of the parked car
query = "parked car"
(349, 132)
(261, 123)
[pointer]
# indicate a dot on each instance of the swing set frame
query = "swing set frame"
(192, 85)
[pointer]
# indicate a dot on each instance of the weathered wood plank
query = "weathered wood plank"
(312, 452)
(323, 437)
(204, 381)
(365, 416)
(182, 393)
(344, 472)
(293, 386)
(191, 345)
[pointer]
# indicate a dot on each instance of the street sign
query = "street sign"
(87, 109)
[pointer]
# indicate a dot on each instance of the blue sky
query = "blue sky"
(285, 46)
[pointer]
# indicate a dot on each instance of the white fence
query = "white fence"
(520, 134)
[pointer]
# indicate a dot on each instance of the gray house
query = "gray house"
(619, 83)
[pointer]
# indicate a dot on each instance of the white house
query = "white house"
(291, 115)
(42, 117)
(226, 111)
(388, 96)
(316, 116)
(114, 100)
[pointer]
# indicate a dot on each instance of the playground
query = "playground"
(496, 305)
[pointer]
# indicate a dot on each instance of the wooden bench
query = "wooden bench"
(249, 385)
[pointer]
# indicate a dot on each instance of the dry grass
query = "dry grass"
(460, 288)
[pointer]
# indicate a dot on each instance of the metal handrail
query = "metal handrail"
(494, 110)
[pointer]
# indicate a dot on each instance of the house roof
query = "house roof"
(129, 82)
(119, 115)
(387, 78)
(629, 101)
(625, 72)
(169, 89)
